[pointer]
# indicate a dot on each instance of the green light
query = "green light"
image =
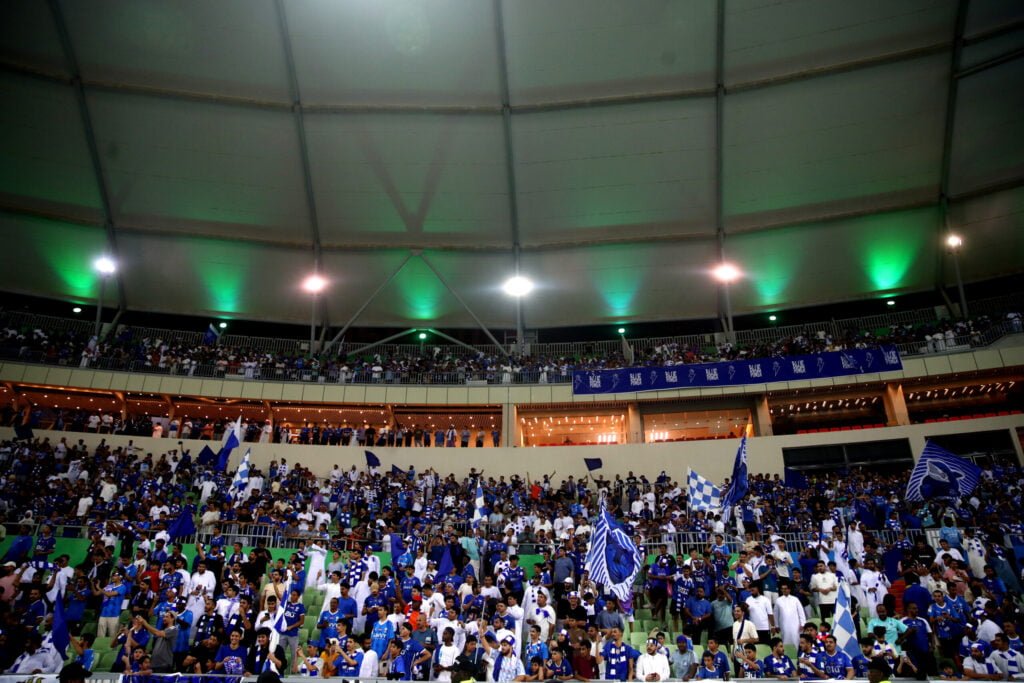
(422, 336)
(76, 309)
(617, 275)
(223, 325)
(773, 318)
(890, 302)
(622, 330)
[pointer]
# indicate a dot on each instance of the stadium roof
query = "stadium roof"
(617, 148)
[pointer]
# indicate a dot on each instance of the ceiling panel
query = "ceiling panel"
(993, 230)
(985, 15)
(839, 260)
(592, 174)
(201, 168)
(582, 49)
(988, 140)
(50, 258)
(416, 297)
(228, 47)
(28, 35)
(846, 142)
(620, 283)
(44, 159)
(770, 38)
(404, 52)
(409, 178)
(215, 277)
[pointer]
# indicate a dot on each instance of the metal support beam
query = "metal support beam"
(377, 343)
(989, 63)
(300, 130)
(724, 304)
(464, 304)
(458, 342)
(71, 63)
(949, 127)
(359, 312)
(510, 165)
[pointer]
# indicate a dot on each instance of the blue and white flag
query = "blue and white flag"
(941, 474)
(232, 440)
(704, 495)
(479, 507)
(211, 336)
(241, 480)
(613, 559)
(738, 485)
(843, 626)
(60, 636)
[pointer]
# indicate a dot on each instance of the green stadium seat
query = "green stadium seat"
(105, 660)
(89, 627)
(637, 640)
(698, 652)
(790, 651)
(763, 651)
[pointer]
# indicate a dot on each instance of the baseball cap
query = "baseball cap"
(681, 639)
(574, 594)
(652, 641)
(510, 640)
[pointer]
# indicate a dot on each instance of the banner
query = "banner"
(731, 373)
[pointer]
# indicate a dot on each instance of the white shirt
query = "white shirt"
(826, 580)
(760, 608)
(653, 664)
(207, 581)
(370, 668)
(44, 659)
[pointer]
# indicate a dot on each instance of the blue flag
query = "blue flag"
(60, 637)
(480, 512)
(371, 459)
(211, 336)
(444, 566)
(593, 464)
(795, 479)
(184, 525)
(397, 547)
(843, 626)
(232, 440)
(397, 471)
(738, 485)
(941, 474)
(206, 457)
(613, 559)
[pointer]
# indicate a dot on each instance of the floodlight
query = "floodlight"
(726, 272)
(954, 241)
(518, 286)
(105, 265)
(314, 284)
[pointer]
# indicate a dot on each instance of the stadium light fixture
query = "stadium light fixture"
(76, 309)
(954, 241)
(773, 318)
(890, 302)
(622, 330)
(726, 272)
(314, 284)
(518, 286)
(105, 265)
(223, 325)
(422, 336)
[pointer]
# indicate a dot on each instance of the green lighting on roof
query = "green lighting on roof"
(618, 271)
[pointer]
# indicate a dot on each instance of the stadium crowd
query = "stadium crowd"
(436, 364)
(506, 599)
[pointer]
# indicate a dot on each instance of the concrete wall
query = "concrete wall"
(713, 459)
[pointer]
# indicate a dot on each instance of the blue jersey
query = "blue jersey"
(616, 658)
(682, 589)
(514, 578)
(292, 612)
(382, 634)
(860, 666)
(946, 620)
(835, 665)
(778, 666)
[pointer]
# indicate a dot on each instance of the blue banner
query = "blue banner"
(731, 373)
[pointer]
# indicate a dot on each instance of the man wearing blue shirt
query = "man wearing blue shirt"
(835, 662)
(110, 607)
(697, 611)
(917, 640)
(618, 657)
(294, 618)
(515, 578)
(777, 664)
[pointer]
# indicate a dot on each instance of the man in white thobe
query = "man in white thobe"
(789, 615)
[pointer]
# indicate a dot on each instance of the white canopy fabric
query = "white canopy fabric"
(222, 149)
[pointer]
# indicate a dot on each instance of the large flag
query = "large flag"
(613, 559)
(480, 512)
(704, 495)
(843, 626)
(941, 474)
(444, 566)
(241, 480)
(61, 637)
(397, 471)
(206, 457)
(738, 485)
(371, 459)
(211, 336)
(593, 464)
(184, 525)
(232, 440)
(795, 479)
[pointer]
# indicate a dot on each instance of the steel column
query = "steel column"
(373, 296)
(464, 304)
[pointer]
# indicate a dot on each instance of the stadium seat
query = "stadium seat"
(790, 651)
(763, 651)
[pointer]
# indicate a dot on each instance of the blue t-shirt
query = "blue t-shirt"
(233, 659)
(111, 606)
(835, 665)
(860, 666)
(383, 633)
(562, 669)
(292, 612)
(346, 669)
(538, 649)
(514, 578)
(347, 607)
(616, 658)
(778, 666)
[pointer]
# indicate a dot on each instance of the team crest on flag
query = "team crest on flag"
(613, 559)
(941, 474)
